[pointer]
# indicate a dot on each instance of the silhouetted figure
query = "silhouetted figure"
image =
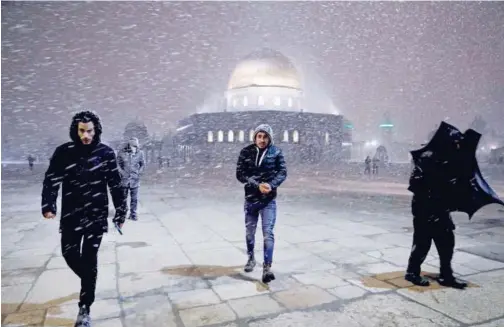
(375, 165)
(31, 160)
(367, 163)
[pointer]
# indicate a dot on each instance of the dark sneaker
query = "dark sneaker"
(452, 282)
(133, 217)
(83, 318)
(251, 263)
(268, 275)
(417, 279)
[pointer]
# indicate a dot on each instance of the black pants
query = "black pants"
(84, 263)
(423, 234)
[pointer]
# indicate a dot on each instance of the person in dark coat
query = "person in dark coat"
(31, 160)
(431, 222)
(84, 167)
(261, 168)
(131, 163)
(367, 168)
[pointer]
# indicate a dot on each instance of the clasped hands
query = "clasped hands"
(265, 188)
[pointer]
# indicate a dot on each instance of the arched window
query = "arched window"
(260, 100)
(245, 101)
(251, 135)
(289, 102)
(230, 136)
(277, 101)
(210, 136)
(295, 137)
(285, 136)
(220, 136)
(241, 136)
(326, 138)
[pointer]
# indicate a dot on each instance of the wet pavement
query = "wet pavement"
(339, 260)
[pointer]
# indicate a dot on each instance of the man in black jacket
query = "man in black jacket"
(261, 167)
(84, 167)
(431, 222)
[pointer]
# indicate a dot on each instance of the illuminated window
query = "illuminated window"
(289, 102)
(295, 137)
(326, 138)
(285, 136)
(210, 136)
(251, 135)
(260, 100)
(234, 102)
(220, 136)
(230, 136)
(277, 101)
(245, 101)
(241, 136)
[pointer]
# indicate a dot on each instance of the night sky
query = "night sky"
(421, 62)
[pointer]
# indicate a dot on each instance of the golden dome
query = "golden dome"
(264, 68)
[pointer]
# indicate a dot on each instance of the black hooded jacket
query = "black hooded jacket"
(84, 171)
(257, 166)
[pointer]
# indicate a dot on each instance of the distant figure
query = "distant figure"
(84, 167)
(160, 162)
(375, 165)
(31, 160)
(261, 168)
(367, 163)
(131, 161)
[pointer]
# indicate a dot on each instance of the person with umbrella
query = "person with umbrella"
(445, 178)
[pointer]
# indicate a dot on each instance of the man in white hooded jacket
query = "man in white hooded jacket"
(131, 162)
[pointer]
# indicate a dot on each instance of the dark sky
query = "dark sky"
(422, 62)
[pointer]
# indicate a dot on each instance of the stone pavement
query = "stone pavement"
(339, 262)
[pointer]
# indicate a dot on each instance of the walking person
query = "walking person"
(375, 165)
(367, 166)
(261, 168)
(131, 161)
(31, 160)
(431, 222)
(84, 167)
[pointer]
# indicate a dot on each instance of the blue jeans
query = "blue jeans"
(268, 219)
(133, 191)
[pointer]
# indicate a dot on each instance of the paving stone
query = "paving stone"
(13, 296)
(230, 256)
(194, 298)
(495, 323)
(303, 297)
(101, 309)
(240, 289)
(36, 261)
(375, 310)
(477, 304)
(372, 285)
(322, 279)
(147, 311)
(347, 292)
(147, 259)
(255, 306)
(208, 315)
(157, 282)
(20, 276)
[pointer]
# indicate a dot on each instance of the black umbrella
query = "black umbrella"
(447, 165)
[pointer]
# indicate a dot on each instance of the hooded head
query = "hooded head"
(86, 128)
(263, 136)
(133, 143)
